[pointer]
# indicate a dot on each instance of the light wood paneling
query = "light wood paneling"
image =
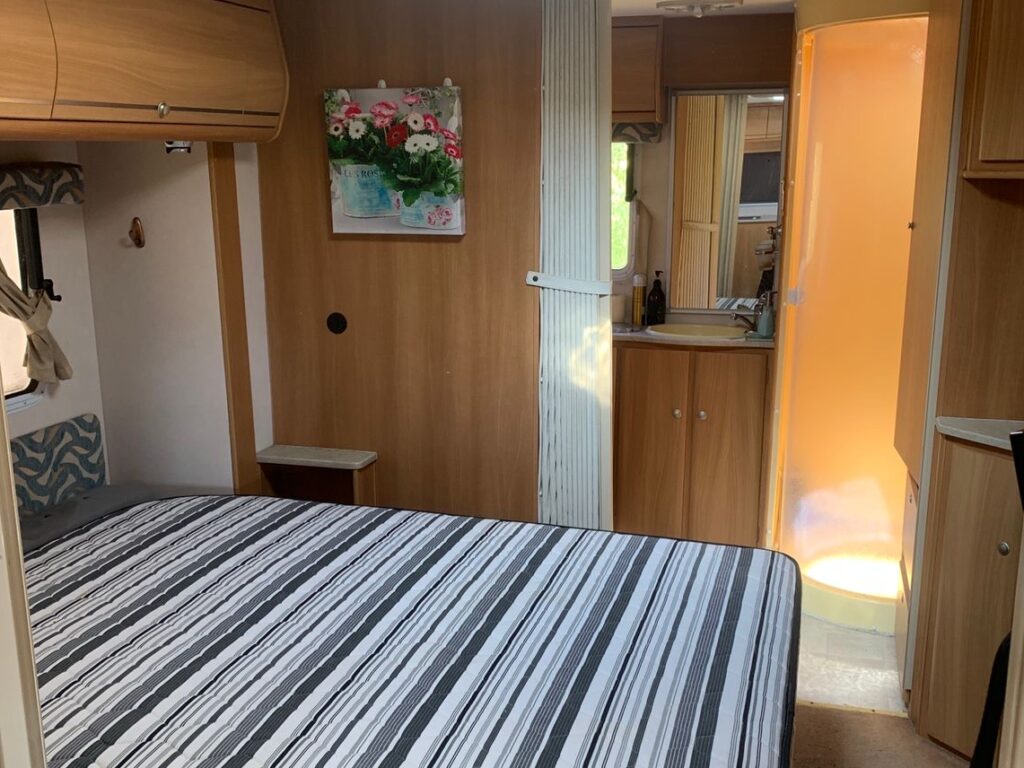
(727, 414)
(934, 147)
(746, 275)
(21, 731)
(227, 238)
(28, 67)
(971, 587)
(438, 370)
(652, 415)
(753, 51)
(697, 206)
(999, 99)
(982, 370)
(637, 95)
(211, 62)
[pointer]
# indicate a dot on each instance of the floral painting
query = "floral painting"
(395, 160)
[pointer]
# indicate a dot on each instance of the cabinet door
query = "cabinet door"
(651, 413)
(728, 447)
(208, 61)
(636, 73)
(998, 125)
(28, 66)
(978, 508)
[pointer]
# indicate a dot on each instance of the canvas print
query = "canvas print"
(395, 158)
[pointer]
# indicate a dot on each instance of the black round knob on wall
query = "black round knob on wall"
(336, 323)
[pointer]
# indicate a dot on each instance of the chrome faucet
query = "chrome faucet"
(751, 323)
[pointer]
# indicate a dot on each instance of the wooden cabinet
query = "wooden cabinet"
(637, 94)
(28, 67)
(970, 583)
(765, 124)
(206, 69)
(728, 446)
(689, 442)
(652, 415)
(997, 99)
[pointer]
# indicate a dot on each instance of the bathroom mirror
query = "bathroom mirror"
(726, 183)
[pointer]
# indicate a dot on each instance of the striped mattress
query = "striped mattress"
(244, 632)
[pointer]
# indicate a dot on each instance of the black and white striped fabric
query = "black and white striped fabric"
(240, 632)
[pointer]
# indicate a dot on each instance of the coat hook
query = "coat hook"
(137, 233)
(381, 84)
(447, 82)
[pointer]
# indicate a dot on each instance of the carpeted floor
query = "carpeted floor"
(825, 737)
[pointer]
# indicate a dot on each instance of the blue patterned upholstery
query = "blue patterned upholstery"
(33, 185)
(58, 463)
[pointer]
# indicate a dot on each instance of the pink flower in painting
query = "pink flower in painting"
(353, 109)
(411, 99)
(453, 150)
(384, 109)
(449, 135)
(415, 121)
(382, 122)
(431, 123)
(440, 217)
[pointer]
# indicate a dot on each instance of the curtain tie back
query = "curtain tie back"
(40, 319)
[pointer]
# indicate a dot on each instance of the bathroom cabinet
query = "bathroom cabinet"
(970, 578)
(689, 441)
(637, 94)
(996, 126)
(193, 69)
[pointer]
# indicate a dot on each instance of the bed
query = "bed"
(250, 632)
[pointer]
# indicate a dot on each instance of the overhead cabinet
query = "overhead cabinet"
(997, 103)
(28, 66)
(206, 64)
(689, 443)
(637, 94)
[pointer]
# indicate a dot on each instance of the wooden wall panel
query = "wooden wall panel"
(929, 220)
(982, 366)
(728, 52)
(438, 370)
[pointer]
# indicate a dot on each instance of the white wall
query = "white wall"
(247, 172)
(65, 260)
(157, 315)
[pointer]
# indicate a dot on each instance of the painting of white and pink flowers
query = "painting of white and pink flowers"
(395, 158)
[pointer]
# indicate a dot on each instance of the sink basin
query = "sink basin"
(691, 330)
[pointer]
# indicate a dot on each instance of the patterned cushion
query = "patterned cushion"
(58, 463)
(33, 185)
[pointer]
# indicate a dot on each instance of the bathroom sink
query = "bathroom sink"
(690, 330)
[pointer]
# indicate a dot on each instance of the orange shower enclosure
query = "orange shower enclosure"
(841, 481)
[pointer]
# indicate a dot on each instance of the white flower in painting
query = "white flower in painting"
(415, 121)
(337, 128)
(414, 145)
(429, 143)
(343, 95)
(357, 129)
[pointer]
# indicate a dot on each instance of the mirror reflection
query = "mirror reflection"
(727, 179)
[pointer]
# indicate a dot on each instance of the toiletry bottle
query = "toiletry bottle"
(766, 320)
(639, 286)
(656, 303)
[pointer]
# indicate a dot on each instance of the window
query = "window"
(20, 255)
(622, 205)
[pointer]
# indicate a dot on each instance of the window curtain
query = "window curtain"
(733, 146)
(34, 186)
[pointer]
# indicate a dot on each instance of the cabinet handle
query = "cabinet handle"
(1004, 548)
(677, 414)
(163, 109)
(702, 415)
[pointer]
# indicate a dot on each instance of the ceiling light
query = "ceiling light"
(697, 10)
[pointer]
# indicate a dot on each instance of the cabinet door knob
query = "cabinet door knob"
(1004, 548)
(677, 414)
(163, 109)
(702, 415)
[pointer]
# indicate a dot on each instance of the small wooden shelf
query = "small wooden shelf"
(326, 464)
